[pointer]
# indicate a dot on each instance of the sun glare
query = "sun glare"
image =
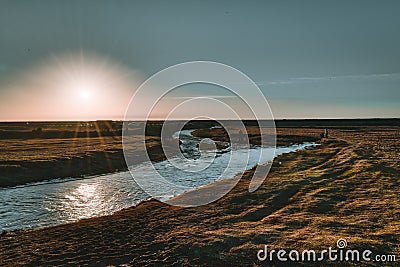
(71, 86)
(84, 94)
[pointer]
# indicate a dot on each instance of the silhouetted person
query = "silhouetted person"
(240, 139)
(326, 132)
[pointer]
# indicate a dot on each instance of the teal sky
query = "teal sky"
(311, 59)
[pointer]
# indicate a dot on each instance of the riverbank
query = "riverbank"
(52, 155)
(345, 188)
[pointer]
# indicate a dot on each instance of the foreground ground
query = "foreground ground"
(348, 187)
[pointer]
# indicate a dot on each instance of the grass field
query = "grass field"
(348, 187)
(77, 149)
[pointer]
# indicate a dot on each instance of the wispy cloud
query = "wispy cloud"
(208, 96)
(297, 80)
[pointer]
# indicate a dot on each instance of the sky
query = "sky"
(81, 60)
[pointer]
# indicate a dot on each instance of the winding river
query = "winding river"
(61, 201)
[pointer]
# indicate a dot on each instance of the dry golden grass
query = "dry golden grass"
(31, 160)
(48, 149)
(348, 187)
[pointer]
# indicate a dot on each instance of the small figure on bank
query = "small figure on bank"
(240, 139)
(326, 132)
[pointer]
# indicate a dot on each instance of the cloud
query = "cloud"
(208, 96)
(298, 80)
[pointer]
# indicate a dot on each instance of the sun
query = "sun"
(84, 94)
(84, 91)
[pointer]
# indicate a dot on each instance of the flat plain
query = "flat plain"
(346, 187)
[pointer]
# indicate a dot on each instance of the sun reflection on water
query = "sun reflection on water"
(85, 201)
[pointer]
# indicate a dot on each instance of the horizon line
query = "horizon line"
(225, 119)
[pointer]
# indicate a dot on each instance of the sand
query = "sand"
(348, 187)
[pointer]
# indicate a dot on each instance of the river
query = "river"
(61, 201)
